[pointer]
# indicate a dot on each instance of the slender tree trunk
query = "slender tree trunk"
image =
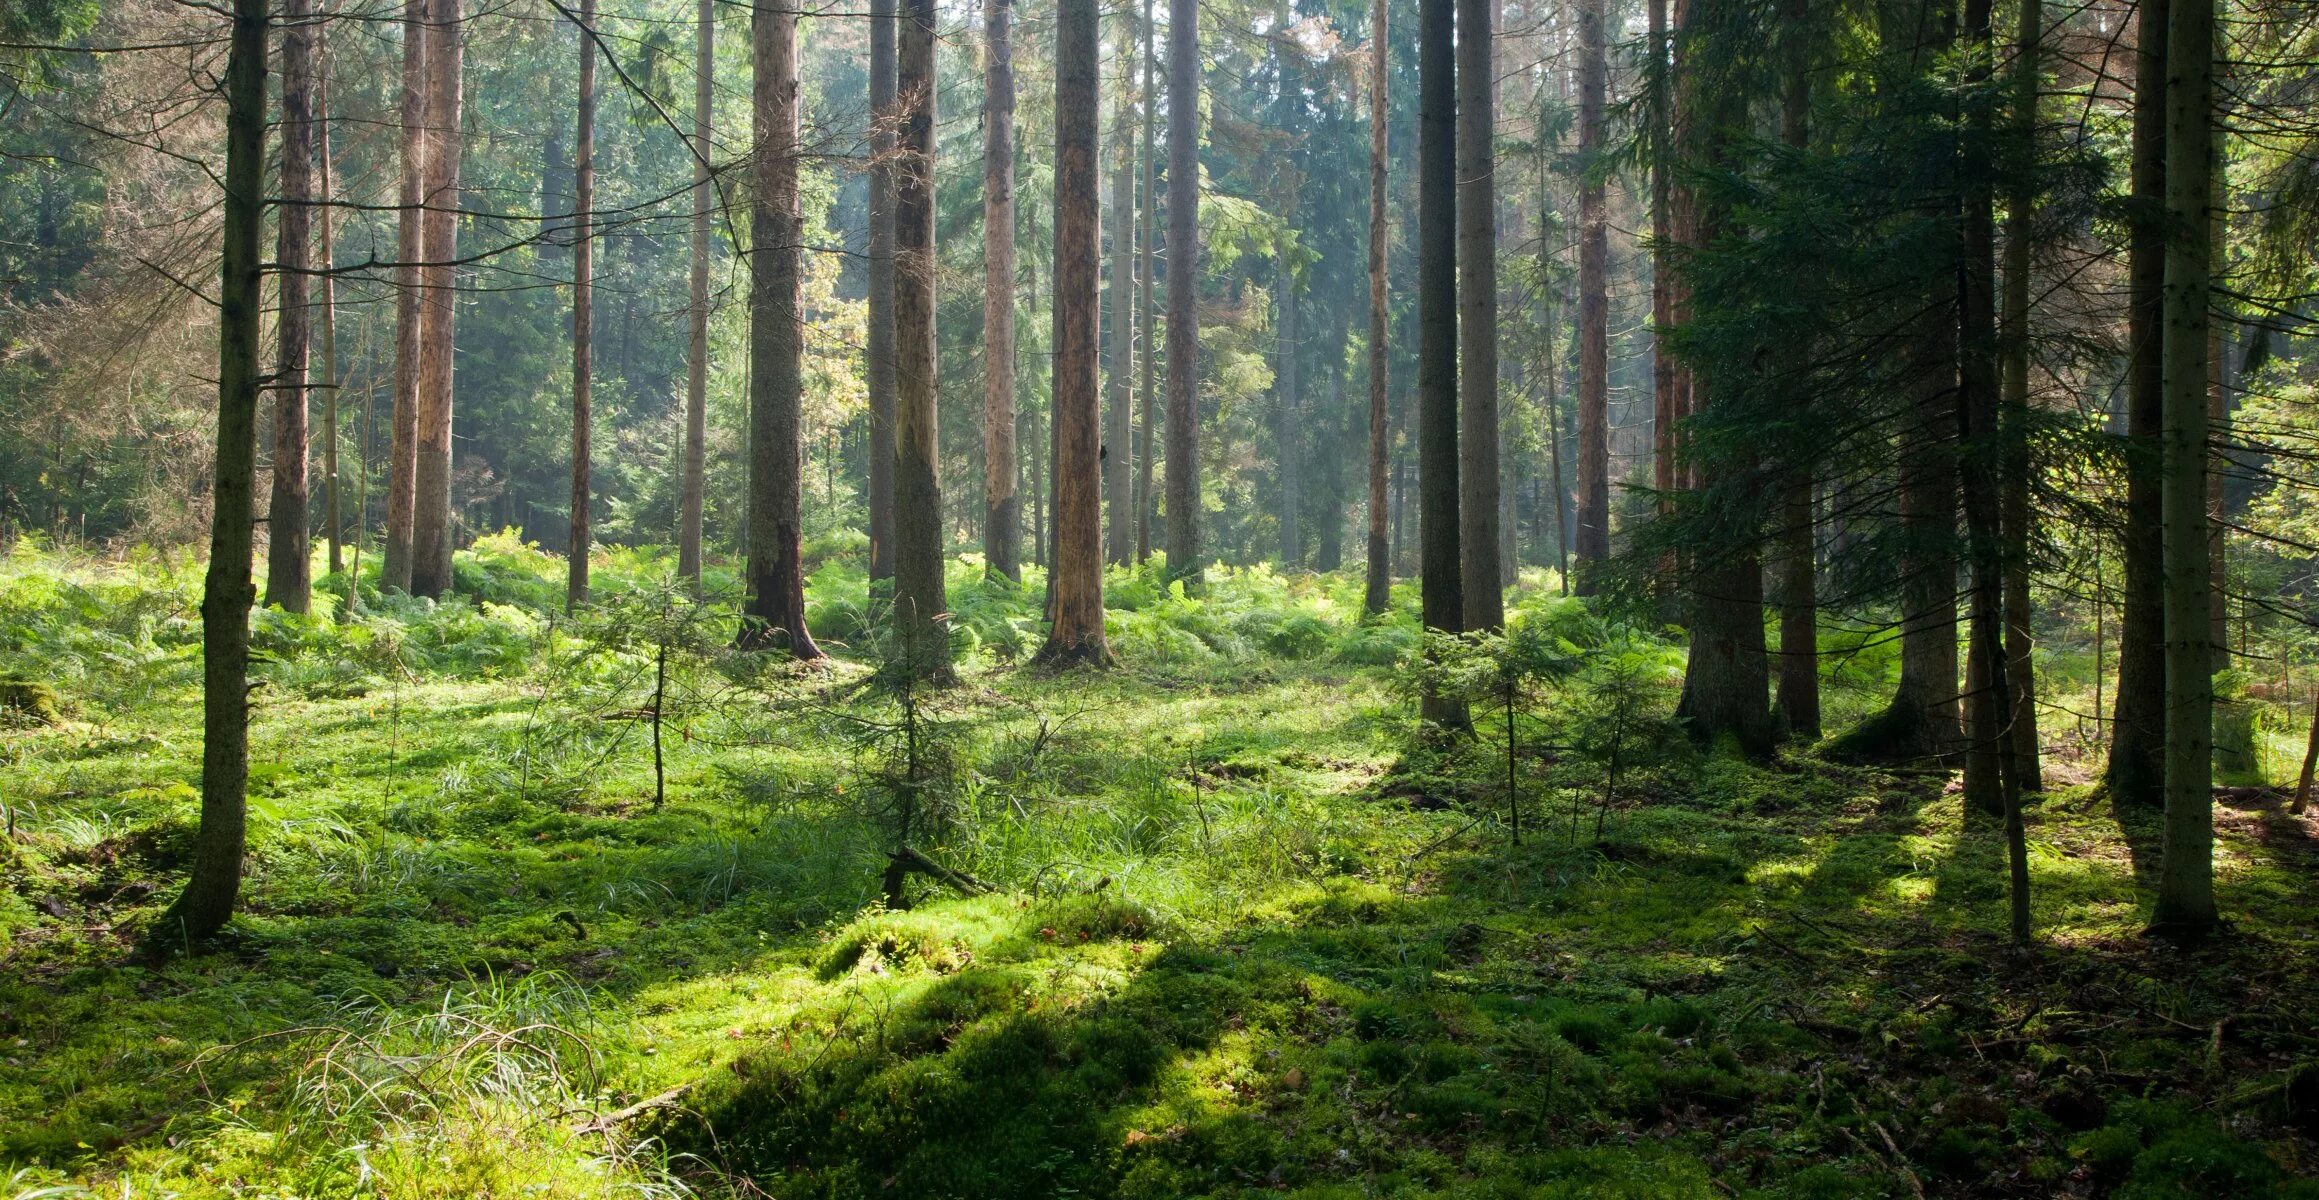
(1799, 664)
(327, 306)
(1183, 332)
(2135, 773)
(431, 532)
(1442, 573)
(1002, 522)
(880, 348)
(694, 483)
(773, 615)
(1593, 305)
(1118, 448)
(921, 613)
(2302, 802)
(1480, 583)
(1288, 426)
(1075, 584)
(215, 881)
(2186, 870)
(289, 554)
(402, 437)
(2014, 414)
(1377, 596)
(1146, 505)
(1663, 414)
(583, 308)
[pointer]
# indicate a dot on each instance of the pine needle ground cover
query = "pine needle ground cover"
(1247, 932)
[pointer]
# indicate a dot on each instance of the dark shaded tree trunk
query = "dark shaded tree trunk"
(921, 613)
(214, 883)
(326, 307)
(1441, 575)
(1659, 85)
(583, 308)
(693, 484)
(1593, 515)
(411, 249)
(879, 352)
(2186, 862)
(1002, 520)
(431, 532)
(773, 615)
(1799, 664)
(2013, 416)
(1480, 582)
(1076, 581)
(1377, 594)
(1118, 448)
(1146, 504)
(289, 553)
(2135, 773)
(1183, 434)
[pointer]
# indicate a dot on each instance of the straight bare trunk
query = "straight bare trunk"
(1480, 582)
(326, 307)
(1441, 572)
(583, 308)
(1118, 448)
(1183, 433)
(1146, 504)
(411, 249)
(2135, 774)
(1075, 582)
(921, 614)
(431, 532)
(1002, 520)
(693, 485)
(1377, 595)
(773, 614)
(289, 553)
(1593, 515)
(2014, 414)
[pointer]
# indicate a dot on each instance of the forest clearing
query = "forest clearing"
(1106, 598)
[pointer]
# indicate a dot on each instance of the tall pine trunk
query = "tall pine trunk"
(1377, 595)
(879, 351)
(1288, 426)
(583, 307)
(1002, 520)
(1593, 516)
(1183, 333)
(1075, 582)
(1118, 450)
(693, 484)
(1479, 583)
(773, 615)
(411, 249)
(2014, 415)
(1441, 572)
(2186, 867)
(215, 881)
(1659, 85)
(1146, 504)
(2135, 774)
(289, 554)
(326, 306)
(921, 615)
(431, 532)
(1799, 663)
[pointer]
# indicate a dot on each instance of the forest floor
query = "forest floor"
(1244, 939)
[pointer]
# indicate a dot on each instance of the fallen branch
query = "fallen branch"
(908, 860)
(614, 1120)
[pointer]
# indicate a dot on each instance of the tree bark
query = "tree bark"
(1118, 448)
(1441, 574)
(402, 436)
(327, 305)
(215, 881)
(1799, 663)
(1287, 428)
(431, 533)
(880, 348)
(583, 308)
(1663, 414)
(1076, 580)
(1183, 332)
(1480, 583)
(773, 615)
(1002, 521)
(1593, 516)
(1146, 504)
(2135, 773)
(694, 482)
(289, 553)
(2186, 868)
(921, 614)
(2014, 414)
(1377, 595)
